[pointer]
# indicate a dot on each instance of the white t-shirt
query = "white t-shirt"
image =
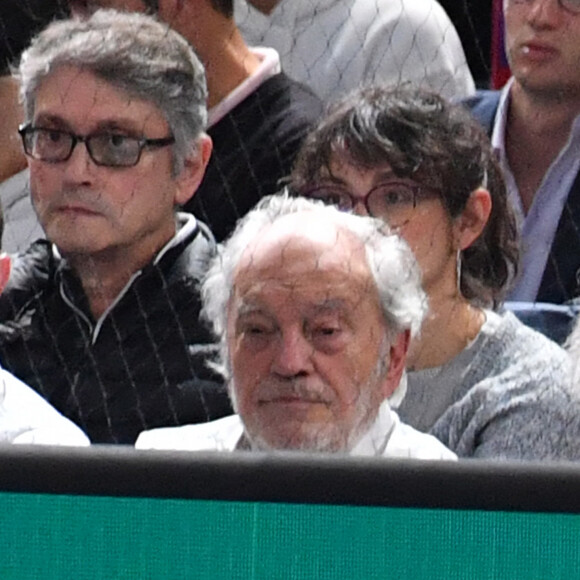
(335, 45)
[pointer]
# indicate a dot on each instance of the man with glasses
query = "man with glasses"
(102, 319)
(257, 116)
(534, 125)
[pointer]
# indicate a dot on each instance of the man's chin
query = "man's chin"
(70, 248)
(306, 439)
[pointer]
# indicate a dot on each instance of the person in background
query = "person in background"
(534, 124)
(313, 310)
(482, 382)
(101, 317)
(19, 21)
(334, 46)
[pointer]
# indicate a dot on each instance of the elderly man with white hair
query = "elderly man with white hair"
(314, 310)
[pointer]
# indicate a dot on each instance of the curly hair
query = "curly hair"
(423, 137)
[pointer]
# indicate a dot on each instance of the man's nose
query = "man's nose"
(545, 13)
(293, 355)
(79, 167)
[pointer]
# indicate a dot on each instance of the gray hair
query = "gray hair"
(390, 260)
(133, 52)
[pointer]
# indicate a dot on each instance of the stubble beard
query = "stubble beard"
(330, 437)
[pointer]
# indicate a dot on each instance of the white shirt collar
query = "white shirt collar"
(539, 226)
(499, 126)
(185, 224)
(375, 440)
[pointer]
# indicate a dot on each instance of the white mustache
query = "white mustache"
(271, 391)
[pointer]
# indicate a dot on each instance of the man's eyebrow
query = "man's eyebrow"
(50, 119)
(248, 308)
(105, 126)
(123, 125)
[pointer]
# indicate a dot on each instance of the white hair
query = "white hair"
(390, 260)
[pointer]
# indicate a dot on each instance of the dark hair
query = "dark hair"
(422, 136)
(226, 7)
(152, 6)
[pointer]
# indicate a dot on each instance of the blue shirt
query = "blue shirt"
(538, 227)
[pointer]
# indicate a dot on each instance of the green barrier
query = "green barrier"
(114, 513)
(49, 537)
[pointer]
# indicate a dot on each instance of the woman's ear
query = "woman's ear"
(471, 222)
(193, 171)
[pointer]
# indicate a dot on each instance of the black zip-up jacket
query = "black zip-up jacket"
(142, 365)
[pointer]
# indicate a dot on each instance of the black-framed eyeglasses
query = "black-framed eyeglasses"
(570, 5)
(392, 201)
(105, 149)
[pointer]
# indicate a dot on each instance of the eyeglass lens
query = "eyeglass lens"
(393, 202)
(105, 149)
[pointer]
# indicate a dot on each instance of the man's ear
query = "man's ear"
(193, 171)
(397, 363)
(473, 219)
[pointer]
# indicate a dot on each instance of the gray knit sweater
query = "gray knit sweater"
(507, 396)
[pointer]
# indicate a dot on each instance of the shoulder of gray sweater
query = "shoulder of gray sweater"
(513, 345)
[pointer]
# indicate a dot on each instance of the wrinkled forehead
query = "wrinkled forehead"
(77, 97)
(298, 298)
(305, 242)
(310, 262)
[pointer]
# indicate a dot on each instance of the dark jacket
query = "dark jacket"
(144, 367)
(254, 146)
(561, 278)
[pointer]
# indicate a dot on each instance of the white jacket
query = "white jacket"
(25, 417)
